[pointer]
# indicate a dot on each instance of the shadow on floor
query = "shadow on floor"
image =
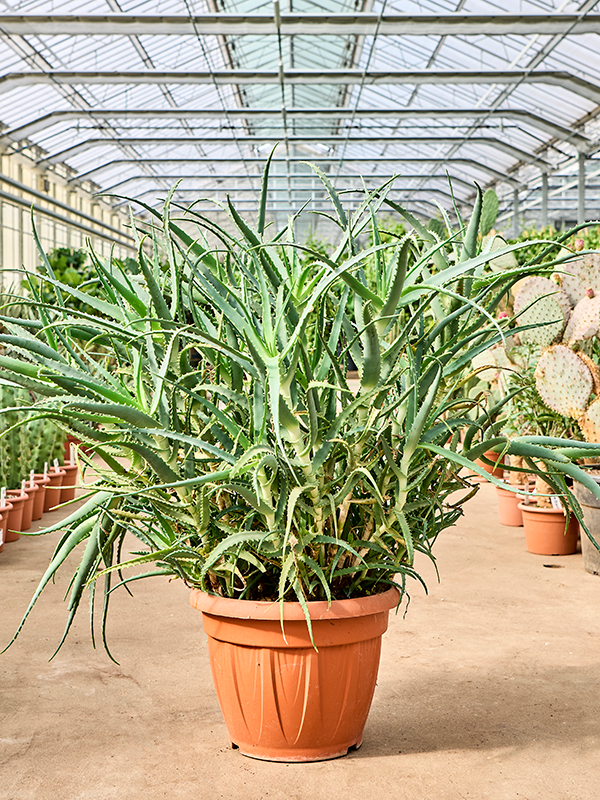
(558, 706)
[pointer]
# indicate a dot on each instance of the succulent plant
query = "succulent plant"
(584, 322)
(564, 381)
(540, 301)
(589, 422)
(13, 442)
(576, 277)
(25, 447)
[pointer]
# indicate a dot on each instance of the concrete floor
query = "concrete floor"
(489, 688)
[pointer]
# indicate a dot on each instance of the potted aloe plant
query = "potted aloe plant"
(208, 380)
(554, 368)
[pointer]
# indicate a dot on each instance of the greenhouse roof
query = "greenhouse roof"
(136, 95)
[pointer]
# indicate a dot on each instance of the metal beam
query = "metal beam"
(23, 188)
(573, 83)
(469, 162)
(487, 141)
(526, 117)
(357, 24)
(20, 201)
(308, 177)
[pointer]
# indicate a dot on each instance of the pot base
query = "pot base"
(316, 755)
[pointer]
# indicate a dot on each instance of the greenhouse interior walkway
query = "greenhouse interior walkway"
(489, 688)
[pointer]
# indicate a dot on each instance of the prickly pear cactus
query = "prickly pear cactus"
(540, 300)
(590, 422)
(538, 286)
(494, 241)
(564, 381)
(593, 368)
(578, 276)
(585, 319)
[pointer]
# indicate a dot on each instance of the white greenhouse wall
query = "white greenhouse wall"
(17, 245)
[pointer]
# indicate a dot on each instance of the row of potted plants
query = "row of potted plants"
(30, 451)
(237, 454)
(39, 493)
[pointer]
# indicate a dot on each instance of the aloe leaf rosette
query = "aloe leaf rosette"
(231, 450)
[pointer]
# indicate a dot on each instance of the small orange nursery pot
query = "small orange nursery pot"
(4, 512)
(283, 700)
(546, 531)
(509, 512)
(67, 491)
(28, 505)
(41, 481)
(17, 499)
(53, 489)
(495, 469)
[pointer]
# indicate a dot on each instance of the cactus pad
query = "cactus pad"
(585, 320)
(486, 359)
(564, 381)
(538, 286)
(540, 300)
(578, 276)
(590, 422)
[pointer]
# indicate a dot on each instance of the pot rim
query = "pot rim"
(12, 493)
(536, 510)
(271, 610)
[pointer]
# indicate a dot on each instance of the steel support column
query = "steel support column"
(544, 199)
(581, 188)
(516, 227)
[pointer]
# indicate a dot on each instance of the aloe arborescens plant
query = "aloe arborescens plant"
(254, 469)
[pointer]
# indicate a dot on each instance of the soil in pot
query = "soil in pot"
(547, 533)
(509, 512)
(283, 700)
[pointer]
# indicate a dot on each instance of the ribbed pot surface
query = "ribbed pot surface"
(281, 699)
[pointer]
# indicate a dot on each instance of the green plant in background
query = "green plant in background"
(257, 472)
(26, 443)
(14, 439)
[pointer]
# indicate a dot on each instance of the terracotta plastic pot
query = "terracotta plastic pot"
(591, 516)
(509, 512)
(67, 491)
(53, 489)
(496, 471)
(15, 517)
(41, 481)
(281, 699)
(4, 512)
(30, 491)
(545, 533)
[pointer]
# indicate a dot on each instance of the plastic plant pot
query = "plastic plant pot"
(17, 499)
(282, 699)
(4, 512)
(31, 492)
(547, 533)
(53, 490)
(69, 483)
(42, 482)
(509, 512)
